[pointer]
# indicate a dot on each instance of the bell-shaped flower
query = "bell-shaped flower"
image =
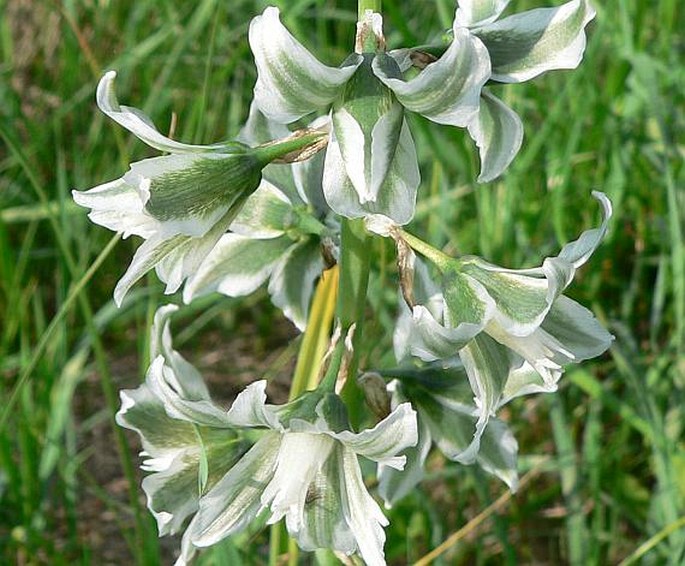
(303, 466)
(371, 164)
(447, 418)
(513, 330)
(179, 203)
(278, 235)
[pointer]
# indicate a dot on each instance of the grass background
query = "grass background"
(606, 453)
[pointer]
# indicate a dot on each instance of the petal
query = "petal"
(291, 82)
(431, 340)
(524, 380)
(577, 329)
(367, 120)
(525, 45)
(498, 453)
(175, 258)
(138, 123)
(267, 213)
(292, 283)
(521, 301)
(479, 12)
(161, 379)
(300, 458)
(324, 524)
(498, 133)
(163, 437)
(487, 365)
(448, 90)
(469, 304)
(186, 379)
(250, 410)
(118, 206)
(580, 250)
(364, 516)
(236, 266)
(395, 484)
(173, 494)
(397, 195)
(383, 442)
(234, 501)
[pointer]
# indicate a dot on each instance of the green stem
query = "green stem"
(439, 258)
(364, 5)
(354, 278)
(280, 148)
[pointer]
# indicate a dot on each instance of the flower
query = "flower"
(446, 417)
(512, 330)
(304, 466)
(179, 203)
(277, 236)
(371, 164)
(520, 47)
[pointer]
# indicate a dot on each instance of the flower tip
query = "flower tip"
(605, 202)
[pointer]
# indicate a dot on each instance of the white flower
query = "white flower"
(520, 47)
(179, 203)
(371, 164)
(448, 418)
(304, 467)
(512, 329)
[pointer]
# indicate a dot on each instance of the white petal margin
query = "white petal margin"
(447, 91)
(291, 82)
(525, 45)
(498, 133)
(479, 12)
(397, 195)
(136, 122)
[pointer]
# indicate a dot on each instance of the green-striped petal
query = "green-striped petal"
(138, 123)
(448, 90)
(292, 282)
(498, 133)
(479, 12)
(237, 266)
(525, 45)
(396, 197)
(291, 82)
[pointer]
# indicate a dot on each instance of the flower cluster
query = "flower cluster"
(271, 207)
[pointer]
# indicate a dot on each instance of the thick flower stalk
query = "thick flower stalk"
(179, 203)
(303, 466)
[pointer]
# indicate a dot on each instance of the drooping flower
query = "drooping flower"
(512, 330)
(371, 164)
(179, 203)
(278, 235)
(304, 466)
(520, 47)
(447, 418)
